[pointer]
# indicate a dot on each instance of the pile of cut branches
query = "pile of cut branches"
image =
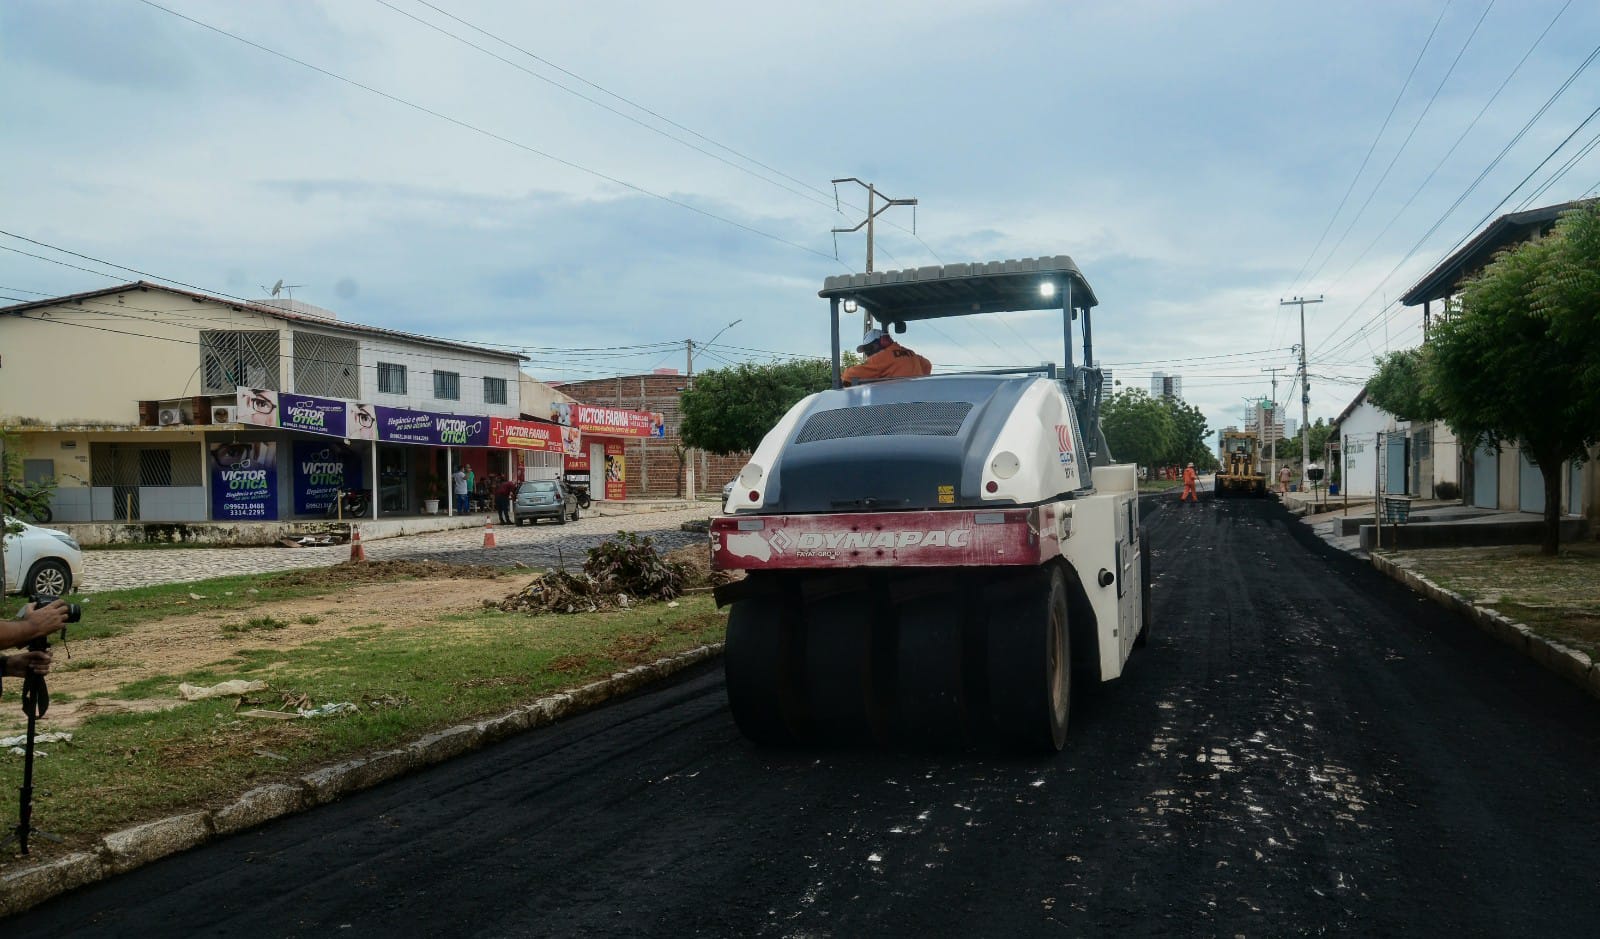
(617, 574)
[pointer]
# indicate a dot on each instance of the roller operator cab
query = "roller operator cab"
(935, 559)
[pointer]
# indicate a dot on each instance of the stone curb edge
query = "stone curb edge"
(122, 851)
(1570, 664)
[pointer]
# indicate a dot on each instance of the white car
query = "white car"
(41, 560)
(727, 491)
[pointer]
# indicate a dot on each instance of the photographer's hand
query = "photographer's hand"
(22, 664)
(32, 623)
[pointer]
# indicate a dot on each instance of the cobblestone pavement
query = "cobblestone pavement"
(540, 546)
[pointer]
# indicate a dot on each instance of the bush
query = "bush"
(1446, 490)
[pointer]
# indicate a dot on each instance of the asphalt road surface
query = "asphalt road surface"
(1303, 748)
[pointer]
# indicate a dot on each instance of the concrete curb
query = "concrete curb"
(1570, 664)
(122, 851)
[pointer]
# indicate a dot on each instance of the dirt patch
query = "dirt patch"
(187, 642)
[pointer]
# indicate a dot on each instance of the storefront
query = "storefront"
(601, 463)
(326, 446)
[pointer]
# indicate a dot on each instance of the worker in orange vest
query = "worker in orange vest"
(1188, 484)
(885, 359)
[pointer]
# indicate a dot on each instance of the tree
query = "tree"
(1138, 428)
(729, 410)
(1399, 386)
(1520, 361)
(1189, 433)
(19, 500)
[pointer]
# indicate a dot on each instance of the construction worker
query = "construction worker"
(885, 359)
(1188, 485)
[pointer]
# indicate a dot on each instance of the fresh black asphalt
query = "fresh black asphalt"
(1304, 748)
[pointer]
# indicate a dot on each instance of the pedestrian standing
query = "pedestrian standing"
(1283, 480)
(458, 481)
(502, 500)
(1188, 485)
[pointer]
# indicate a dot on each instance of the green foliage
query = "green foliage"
(1522, 359)
(1189, 433)
(729, 410)
(1138, 428)
(17, 500)
(630, 564)
(1400, 388)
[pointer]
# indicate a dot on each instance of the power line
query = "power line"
(1470, 189)
(1450, 152)
(1374, 145)
(599, 104)
(1406, 142)
(465, 125)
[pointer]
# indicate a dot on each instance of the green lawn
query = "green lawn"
(121, 769)
(1558, 597)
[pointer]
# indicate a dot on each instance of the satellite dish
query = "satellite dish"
(277, 288)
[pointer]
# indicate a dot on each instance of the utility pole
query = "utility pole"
(688, 351)
(873, 211)
(1305, 388)
(1272, 460)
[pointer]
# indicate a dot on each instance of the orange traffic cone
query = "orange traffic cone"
(488, 532)
(358, 551)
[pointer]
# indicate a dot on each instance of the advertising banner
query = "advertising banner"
(618, 422)
(244, 481)
(311, 414)
(616, 471)
(360, 423)
(525, 435)
(257, 406)
(320, 471)
(402, 425)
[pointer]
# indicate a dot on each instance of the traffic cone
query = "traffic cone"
(488, 532)
(358, 551)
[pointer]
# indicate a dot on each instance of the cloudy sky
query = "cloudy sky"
(596, 180)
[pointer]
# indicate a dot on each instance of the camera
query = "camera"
(74, 611)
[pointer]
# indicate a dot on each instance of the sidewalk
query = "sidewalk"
(118, 570)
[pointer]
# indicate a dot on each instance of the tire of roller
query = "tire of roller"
(839, 693)
(756, 666)
(1030, 662)
(931, 698)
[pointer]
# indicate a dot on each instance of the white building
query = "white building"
(128, 397)
(1163, 385)
(1395, 456)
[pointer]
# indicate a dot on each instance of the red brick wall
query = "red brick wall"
(653, 469)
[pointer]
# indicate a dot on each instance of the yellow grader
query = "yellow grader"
(1240, 472)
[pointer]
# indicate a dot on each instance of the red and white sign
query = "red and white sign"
(524, 435)
(617, 422)
(885, 539)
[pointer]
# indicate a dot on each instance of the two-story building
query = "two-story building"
(147, 403)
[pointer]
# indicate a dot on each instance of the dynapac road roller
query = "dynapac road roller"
(941, 558)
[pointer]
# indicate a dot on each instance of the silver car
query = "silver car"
(544, 498)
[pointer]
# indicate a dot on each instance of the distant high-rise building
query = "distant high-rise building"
(1267, 423)
(1163, 385)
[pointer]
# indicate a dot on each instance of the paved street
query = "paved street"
(541, 546)
(1336, 758)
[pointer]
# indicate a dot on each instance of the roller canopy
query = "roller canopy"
(963, 289)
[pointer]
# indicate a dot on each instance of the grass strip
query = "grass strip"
(121, 769)
(1557, 597)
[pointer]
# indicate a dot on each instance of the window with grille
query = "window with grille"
(391, 379)
(494, 391)
(233, 357)
(447, 386)
(326, 365)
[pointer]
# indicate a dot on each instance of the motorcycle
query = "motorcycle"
(581, 491)
(352, 503)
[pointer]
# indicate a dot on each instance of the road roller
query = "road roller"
(942, 559)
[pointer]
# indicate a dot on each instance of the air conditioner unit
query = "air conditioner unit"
(170, 416)
(225, 415)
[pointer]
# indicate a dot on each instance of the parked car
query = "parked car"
(727, 491)
(544, 498)
(41, 560)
